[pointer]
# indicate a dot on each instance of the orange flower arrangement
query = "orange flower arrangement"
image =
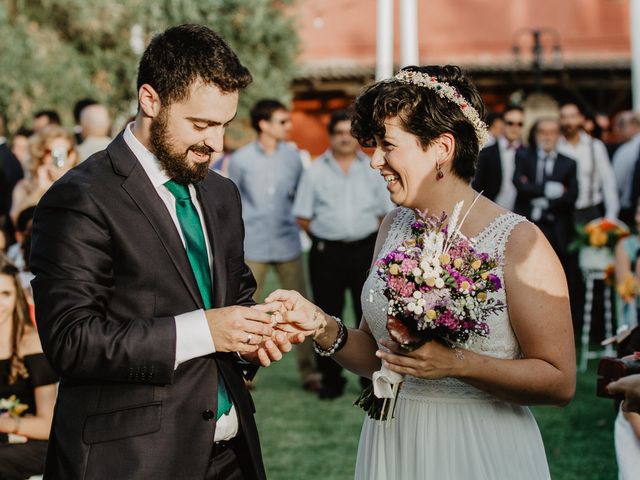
(628, 288)
(601, 232)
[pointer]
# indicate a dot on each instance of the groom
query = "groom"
(143, 298)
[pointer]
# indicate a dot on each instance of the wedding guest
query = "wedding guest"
(597, 197)
(340, 203)
(44, 118)
(626, 255)
(52, 153)
(624, 162)
(597, 191)
(547, 187)
(460, 412)
(77, 110)
(23, 224)
(496, 163)
(25, 373)
(10, 170)
(20, 146)
(95, 124)
(266, 172)
(495, 126)
(143, 300)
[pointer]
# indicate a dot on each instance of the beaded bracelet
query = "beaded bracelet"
(341, 340)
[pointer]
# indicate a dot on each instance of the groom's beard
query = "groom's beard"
(176, 165)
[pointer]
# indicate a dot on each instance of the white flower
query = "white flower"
(424, 265)
(411, 306)
(439, 282)
(417, 294)
(422, 302)
(416, 272)
(418, 310)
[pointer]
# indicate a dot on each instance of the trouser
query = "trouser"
(22, 460)
(228, 461)
(334, 268)
(291, 277)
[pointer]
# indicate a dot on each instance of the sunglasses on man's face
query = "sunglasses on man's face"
(514, 124)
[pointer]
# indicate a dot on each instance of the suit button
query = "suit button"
(208, 415)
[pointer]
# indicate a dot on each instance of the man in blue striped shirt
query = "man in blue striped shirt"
(340, 203)
(267, 172)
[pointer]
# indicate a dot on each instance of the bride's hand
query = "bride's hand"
(297, 315)
(432, 360)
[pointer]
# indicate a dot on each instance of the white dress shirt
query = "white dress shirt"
(507, 194)
(624, 162)
(589, 152)
(193, 338)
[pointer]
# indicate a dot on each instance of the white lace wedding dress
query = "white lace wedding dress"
(446, 429)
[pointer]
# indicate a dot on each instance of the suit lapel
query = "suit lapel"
(142, 192)
(211, 206)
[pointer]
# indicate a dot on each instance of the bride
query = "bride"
(460, 413)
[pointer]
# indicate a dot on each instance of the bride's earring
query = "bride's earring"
(439, 172)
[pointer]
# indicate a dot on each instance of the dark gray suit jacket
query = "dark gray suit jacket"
(111, 274)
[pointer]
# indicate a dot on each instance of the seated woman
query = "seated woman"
(25, 373)
(626, 255)
(52, 154)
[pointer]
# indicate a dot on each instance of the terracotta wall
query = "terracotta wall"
(474, 30)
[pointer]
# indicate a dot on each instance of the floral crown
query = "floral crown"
(444, 90)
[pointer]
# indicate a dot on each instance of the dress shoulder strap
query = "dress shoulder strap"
(495, 236)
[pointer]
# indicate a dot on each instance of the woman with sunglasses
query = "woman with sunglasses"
(52, 154)
(25, 374)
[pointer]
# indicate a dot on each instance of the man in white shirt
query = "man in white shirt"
(597, 191)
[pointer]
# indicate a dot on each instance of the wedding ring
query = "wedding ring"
(249, 337)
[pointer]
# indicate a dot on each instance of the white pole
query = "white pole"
(409, 33)
(384, 45)
(634, 18)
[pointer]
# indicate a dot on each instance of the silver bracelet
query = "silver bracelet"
(341, 340)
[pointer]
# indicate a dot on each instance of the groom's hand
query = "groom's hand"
(239, 329)
(273, 349)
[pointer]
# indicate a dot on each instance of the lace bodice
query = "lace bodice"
(501, 342)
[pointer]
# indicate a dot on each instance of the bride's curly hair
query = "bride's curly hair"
(422, 112)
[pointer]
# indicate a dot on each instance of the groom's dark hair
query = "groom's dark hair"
(423, 113)
(183, 55)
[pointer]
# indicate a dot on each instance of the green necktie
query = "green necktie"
(199, 260)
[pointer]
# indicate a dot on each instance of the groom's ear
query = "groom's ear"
(149, 101)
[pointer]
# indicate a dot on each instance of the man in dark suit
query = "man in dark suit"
(10, 170)
(143, 300)
(547, 187)
(496, 162)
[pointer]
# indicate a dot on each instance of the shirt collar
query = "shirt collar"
(148, 160)
(3, 140)
(360, 156)
(260, 150)
(552, 154)
(507, 145)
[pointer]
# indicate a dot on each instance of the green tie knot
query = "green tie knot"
(181, 192)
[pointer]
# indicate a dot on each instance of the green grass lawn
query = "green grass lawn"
(305, 438)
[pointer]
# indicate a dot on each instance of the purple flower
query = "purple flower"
(497, 284)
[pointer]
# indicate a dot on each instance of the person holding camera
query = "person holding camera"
(52, 154)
